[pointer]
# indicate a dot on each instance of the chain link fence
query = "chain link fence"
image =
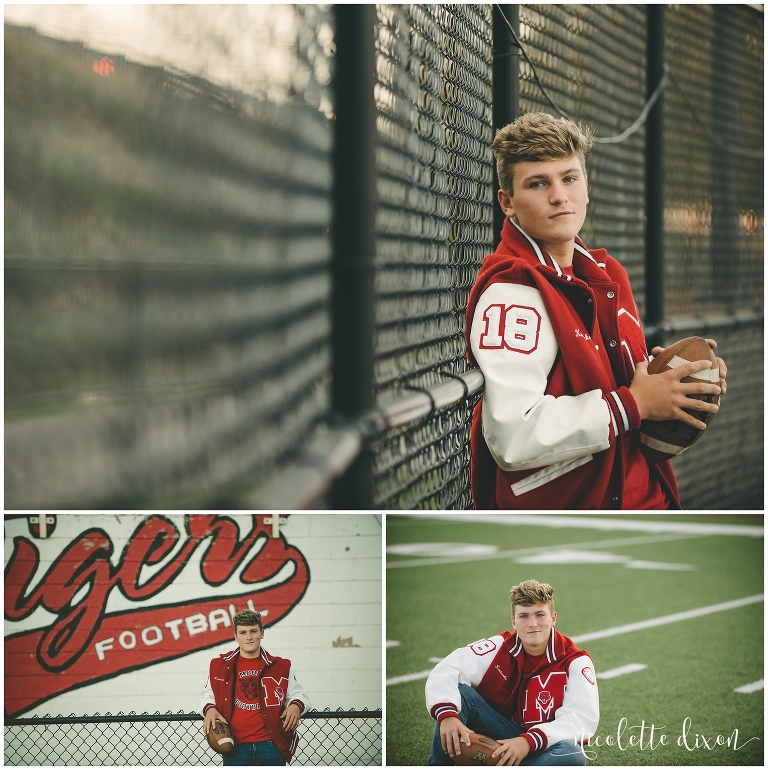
(592, 60)
(327, 738)
(167, 254)
(168, 281)
(714, 233)
(433, 228)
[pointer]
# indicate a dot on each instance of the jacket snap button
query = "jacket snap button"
(590, 300)
(610, 295)
(612, 343)
(615, 499)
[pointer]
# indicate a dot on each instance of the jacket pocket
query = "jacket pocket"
(545, 475)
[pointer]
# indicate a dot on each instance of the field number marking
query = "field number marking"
(754, 687)
(457, 559)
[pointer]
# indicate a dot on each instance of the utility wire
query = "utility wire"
(744, 152)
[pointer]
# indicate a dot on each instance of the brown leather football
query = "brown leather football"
(220, 738)
(478, 752)
(662, 439)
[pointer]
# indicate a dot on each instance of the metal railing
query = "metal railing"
(327, 738)
(304, 482)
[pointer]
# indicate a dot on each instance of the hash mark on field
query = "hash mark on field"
(630, 668)
(409, 677)
(392, 643)
(754, 687)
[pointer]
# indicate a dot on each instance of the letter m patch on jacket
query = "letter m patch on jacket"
(543, 698)
(274, 690)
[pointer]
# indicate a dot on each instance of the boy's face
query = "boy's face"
(533, 624)
(550, 199)
(249, 638)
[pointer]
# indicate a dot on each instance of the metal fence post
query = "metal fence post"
(506, 87)
(354, 201)
(654, 179)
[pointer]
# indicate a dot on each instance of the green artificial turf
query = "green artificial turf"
(694, 665)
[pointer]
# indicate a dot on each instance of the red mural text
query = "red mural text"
(85, 644)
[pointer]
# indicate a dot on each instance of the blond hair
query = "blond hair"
(531, 592)
(534, 137)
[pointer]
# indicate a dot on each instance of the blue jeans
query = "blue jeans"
(480, 716)
(250, 754)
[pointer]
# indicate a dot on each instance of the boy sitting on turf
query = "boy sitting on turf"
(533, 691)
(555, 329)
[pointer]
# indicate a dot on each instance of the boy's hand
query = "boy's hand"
(290, 717)
(512, 752)
(663, 396)
(451, 730)
(723, 368)
(211, 717)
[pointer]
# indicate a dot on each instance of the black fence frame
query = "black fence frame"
(191, 750)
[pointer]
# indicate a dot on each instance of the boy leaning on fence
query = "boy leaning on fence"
(555, 329)
(257, 695)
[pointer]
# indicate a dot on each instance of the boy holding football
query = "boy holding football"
(555, 329)
(533, 691)
(257, 695)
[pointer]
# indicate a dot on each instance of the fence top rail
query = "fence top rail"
(302, 484)
(73, 720)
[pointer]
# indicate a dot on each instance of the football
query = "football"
(662, 439)
(220, 738)
(478, 752)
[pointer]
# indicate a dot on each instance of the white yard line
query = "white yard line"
(409, 677)
(617, 630)
(630, 668)
(754, 687)
(595, 522)
(667, 619)
(617, 542)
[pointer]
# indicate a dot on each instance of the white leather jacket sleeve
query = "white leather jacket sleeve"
(577, 719)
(467, 665)
(207, 698)
(297, 693)
(523, 427)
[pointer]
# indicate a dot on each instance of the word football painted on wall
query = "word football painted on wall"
(87, 614)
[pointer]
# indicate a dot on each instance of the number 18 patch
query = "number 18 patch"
(511, 327)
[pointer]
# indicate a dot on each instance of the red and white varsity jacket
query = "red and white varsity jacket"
(556, 427)
(557, 702)
(277, 686)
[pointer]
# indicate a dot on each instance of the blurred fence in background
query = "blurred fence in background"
(326, 738)
(168, 282)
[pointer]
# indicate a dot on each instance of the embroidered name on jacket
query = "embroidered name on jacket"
(544, 697)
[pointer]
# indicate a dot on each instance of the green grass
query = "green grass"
(693, 665)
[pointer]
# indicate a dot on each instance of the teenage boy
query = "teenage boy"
(257, 695)
(534, 691)
(555, 329)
